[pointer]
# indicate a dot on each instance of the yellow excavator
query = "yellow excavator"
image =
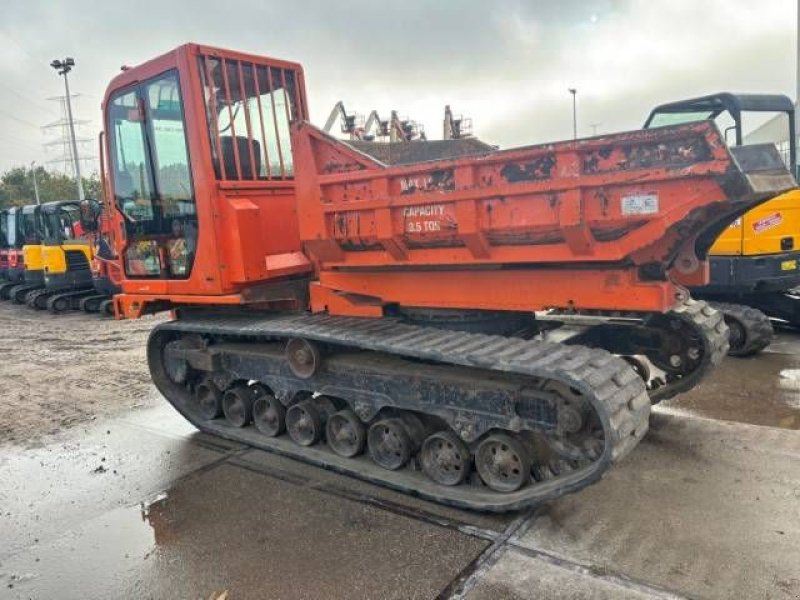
(66, 252)
(754, 262)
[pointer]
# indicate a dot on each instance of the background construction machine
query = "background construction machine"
(391, 309)
(4, 222)
(66, 256)
(12, 253)
(754, 262)
(30, 263)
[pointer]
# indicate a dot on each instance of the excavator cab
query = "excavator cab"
(773, 227)
(32, 235)
(25, 265)
(12, 252)
(66, 257)
(755, 261)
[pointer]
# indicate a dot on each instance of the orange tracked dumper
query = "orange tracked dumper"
(486, 332)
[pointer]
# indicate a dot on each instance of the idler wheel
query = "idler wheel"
(445, 458)
(303, 357)
(31, 297)
(57, 305)
(90, 304)
(237, 404)
(345, 433)
(389, 443)
(269, 415)
(107, 307)
(503, 463)
(304, 423)
(208, 400)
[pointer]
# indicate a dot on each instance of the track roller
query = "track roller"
(303, 357)
(503, 462)
(445, 458)
(393, 441)
(37, 299)
(58, 304)
(304, 423)
(269, 415)
(345, 433)
(237, 405)
(208, 399)
(5, 289)
(90, 304)
(19, 294)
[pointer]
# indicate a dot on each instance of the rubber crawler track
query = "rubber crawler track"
(608, 383)
(709, 323)
(757, 327)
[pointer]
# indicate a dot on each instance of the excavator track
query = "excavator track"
(708, 336)
(567, 413)
(751, 330)
(683, 343)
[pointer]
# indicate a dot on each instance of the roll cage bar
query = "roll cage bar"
(735, 105)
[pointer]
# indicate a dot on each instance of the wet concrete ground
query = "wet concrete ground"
(139, 505)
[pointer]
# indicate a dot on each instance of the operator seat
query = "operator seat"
(249, 171)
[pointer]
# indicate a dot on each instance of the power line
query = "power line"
(20, 141)
(23, 121)
(27, 98)
(29, 56)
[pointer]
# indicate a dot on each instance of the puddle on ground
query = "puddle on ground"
(760, 390)
(115, 543)
(230, 528)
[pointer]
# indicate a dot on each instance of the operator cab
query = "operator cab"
(31, 225)
(198, 142)
(61, 222)
(3, 229)
(727, 111)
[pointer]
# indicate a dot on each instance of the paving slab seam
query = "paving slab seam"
(470, 576)
(595, 572)
(365, 499)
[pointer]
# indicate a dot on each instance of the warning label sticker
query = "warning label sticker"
(768, 222)
(640, 204)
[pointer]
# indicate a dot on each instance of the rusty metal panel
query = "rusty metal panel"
(601, 199)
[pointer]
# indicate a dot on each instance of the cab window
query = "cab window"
(152, 178)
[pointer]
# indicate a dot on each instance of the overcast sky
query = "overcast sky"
(505, 63)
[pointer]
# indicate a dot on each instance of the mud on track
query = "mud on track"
(57, 371)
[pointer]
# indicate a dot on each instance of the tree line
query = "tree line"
(16, 186)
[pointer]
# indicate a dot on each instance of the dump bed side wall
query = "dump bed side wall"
(598, 200)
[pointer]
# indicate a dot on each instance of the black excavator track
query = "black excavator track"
(751, 330)
(684, 343)
(569, 412)
(96, 303)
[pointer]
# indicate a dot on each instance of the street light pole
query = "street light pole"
(63, 67)
(574, 92)
(35, 183)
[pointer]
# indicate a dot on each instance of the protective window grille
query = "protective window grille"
(248, 109)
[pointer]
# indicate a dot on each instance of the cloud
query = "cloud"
(506, 63)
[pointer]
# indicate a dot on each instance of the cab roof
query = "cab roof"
(722, 101)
